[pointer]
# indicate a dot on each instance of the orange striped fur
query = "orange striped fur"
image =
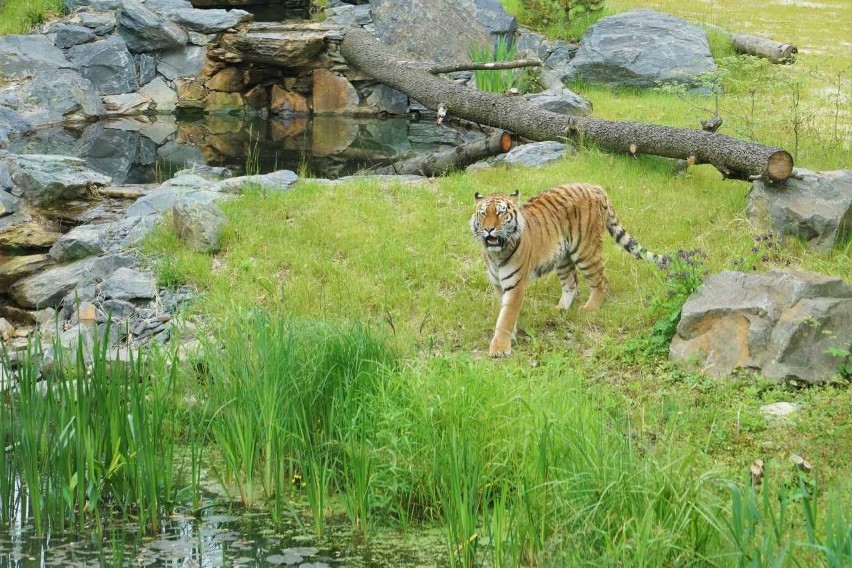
(558, 230)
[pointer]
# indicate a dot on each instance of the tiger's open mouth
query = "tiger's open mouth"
(493, 242)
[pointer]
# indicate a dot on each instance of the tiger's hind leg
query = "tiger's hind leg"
(590, 263)
(568, 277)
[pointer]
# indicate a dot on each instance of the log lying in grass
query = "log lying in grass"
(444, 161)
(774, 51)
(734, 158)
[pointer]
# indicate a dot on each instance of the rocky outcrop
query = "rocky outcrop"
(107, 64)
(782, 325)
(440, 30)
(44, 179)
(642, 48)
(815, 207)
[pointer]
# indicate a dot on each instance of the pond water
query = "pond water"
(151, 149)
(222, 536)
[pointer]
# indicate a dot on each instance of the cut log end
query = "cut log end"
(505, 142)
(779, 166)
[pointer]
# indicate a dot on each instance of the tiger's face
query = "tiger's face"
(497, 220)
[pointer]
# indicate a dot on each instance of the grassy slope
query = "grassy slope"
(401, 259)
(20, 16)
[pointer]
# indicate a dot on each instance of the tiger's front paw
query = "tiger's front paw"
(500, 347)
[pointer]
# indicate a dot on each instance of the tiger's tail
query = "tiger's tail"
(626, 241)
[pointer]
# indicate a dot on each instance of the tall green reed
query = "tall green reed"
(498, 81)
(92, 438)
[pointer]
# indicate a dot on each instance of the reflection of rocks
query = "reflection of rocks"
(108, 150)
(331, 135)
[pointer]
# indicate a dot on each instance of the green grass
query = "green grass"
(21, 16)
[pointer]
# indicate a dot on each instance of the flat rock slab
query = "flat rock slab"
(24, 55)
(49, 287)
(781, 324)
(816, 208)
(642, 48)
(129, 284)
(46, 179)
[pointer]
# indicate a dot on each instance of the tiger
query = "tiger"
(560, 229)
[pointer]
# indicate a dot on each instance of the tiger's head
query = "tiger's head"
(497, 220)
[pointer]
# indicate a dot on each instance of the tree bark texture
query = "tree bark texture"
(444, 161)
(774, 51)
(733, 157)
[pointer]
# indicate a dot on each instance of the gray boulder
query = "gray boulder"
(780, 324)
(108, 64)
(562, 101)
(185, 61)
(111, 151)
(145, 31)
(8, 203)
(44, 179)
(49, 287)
(816, 209)
(129, 284)
(642, 48)
(199, 225)
(146, 68)
(535, 154)
(65, 95)
(210, 21)
(79, 242)
(440, 30)
(24, 55)
(162, 96)
(68, 35)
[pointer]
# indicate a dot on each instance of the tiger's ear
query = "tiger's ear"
(478, 196)
(515, 195)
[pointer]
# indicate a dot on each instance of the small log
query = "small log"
(772, 50)
(484, 66)
(712, 124)
(444, 161)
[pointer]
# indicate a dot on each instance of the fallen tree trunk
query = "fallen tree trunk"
(734, 158)
(444, 161)
(774, 51)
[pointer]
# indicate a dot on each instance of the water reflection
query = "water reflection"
(150, 149)
(219, 537)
